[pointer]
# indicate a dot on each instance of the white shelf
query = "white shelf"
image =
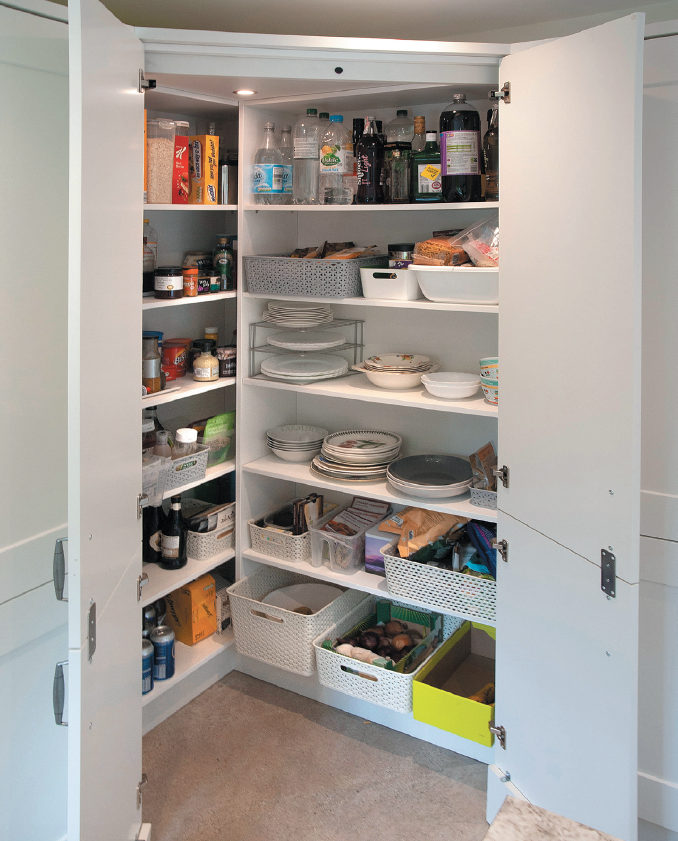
(188, 208)
(188, 658)
(358, 208)
(419, 304)
(360, 388)
(278, 469)
(211, 473)
(154, 303)
(163, 581)
(188, 387)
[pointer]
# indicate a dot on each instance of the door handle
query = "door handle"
(59, 694)
(59, 569)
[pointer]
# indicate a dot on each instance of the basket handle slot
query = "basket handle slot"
(360, 674)
(267, 616)
(384, 275)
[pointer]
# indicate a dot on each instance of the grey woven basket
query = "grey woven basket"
(271, 275)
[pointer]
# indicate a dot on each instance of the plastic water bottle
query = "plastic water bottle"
(336, 163)
(287, 152)
(268, 172)
(305, 174)
(401, 129)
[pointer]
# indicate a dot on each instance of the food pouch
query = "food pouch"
(423, 527)
(482, 464)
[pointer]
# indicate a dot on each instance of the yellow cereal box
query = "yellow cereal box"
(203, 168)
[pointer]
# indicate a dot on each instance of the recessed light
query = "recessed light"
(244, 93)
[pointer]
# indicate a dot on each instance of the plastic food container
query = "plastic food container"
(458, 285)
(159, 160)
(390, 284)
(343, 554)
(451, 385)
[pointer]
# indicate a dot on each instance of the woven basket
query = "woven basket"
(277, 636)
(285, 547)
(187, 469)
(321, 278)
(483, 499)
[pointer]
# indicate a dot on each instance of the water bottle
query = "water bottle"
(268, 172)
(336, 163)
(287, 153)
(305, 174)
(401, 129)
(370, 155)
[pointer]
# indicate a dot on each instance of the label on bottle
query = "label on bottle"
(333, 159)
(154, 541)
(170, 545)
(267, 178)
(306, 147)
(428, 179)
(168, 284)
(287, 179)
(206, 373)
(460, 152)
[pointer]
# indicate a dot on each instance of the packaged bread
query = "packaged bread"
(354, 253)
(439, 251)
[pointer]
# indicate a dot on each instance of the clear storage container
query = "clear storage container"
(159, 160)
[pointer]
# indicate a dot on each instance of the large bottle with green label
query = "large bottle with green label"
(426, 183)
(461, 151)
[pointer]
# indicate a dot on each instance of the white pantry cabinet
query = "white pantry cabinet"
(570, 286)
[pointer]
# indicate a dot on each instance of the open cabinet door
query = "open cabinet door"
(569, 423)
(106, 176)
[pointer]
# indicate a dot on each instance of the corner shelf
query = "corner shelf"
(419, 304)
(188, 208)
(163, 581)
(187, 388)
(155, 303)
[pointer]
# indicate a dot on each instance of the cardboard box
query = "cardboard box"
(191, 610)
(462, 667)
(203, 166)
(375, 541)
(180, 177)
(223, 604)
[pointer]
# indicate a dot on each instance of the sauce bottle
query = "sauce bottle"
(150, 365)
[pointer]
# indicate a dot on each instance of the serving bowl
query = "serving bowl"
(451, 385)
(396, 381)
(458, 285)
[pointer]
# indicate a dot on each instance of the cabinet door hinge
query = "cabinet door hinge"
(91, 630)
(141, 580)
(608, 573)
(142, 502)
(59, 569)
(503, 474)
(144, 83)
(502, 547)
(499, 732)
(504, 94)
(141, 784)
(59, 694)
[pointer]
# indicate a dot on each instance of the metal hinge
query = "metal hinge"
(91, 630)
(499, 732)
(144, 780)
(144, 83)
(59, 569)
(141, 580)
(504, 94)
(59, 694)
(608, 573)
(501, 546)
(142, 502)
(503, 474)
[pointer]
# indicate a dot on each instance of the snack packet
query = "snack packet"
(482, 463)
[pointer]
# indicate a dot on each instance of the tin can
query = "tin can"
(146, 666)
(227, 361)
(190, 282)
(149, 621)
(174, 353)
(162, 638)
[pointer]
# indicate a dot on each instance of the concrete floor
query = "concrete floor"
(247, 761)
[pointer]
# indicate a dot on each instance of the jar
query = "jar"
(185, 443)
(215, 280)
(174, 354)
(227, 360)
(202, 261)
(212, 333)
(158, 335)
(148, 435)
(205, 365)
(400, 254)
(190, 283)
(150, 365)
(169, 282)
(197, 347)
(159, 161)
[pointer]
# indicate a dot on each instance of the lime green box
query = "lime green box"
(462, 667)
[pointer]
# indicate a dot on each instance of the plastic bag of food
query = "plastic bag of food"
(482, 464)
(439, 251)
(481, 242)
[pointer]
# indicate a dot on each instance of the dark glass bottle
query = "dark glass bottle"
(369, 154)
(460, 151)
(152, 530)
(426, 186)
(174, 537)
(491, 156)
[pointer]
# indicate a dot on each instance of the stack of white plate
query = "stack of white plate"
(397, 363)
(357, 455)
(306, 340)
(298, 314)
(430, 476)
(296, 441)
(304, 368)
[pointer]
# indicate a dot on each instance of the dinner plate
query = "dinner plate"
(362, 440)
(307, 365)
(285, 306)
(309, 340)
(431, 470)
(320, 472)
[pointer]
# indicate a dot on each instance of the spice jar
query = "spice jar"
(227, 360)
(190, 283)
(202, 261)
(206, 366)
(169, 282)
(150, 365)
(400, 254)
(174, 355)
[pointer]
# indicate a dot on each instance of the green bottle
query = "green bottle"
(223, 264)
(423, 164)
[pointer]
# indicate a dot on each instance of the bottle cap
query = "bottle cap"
(211, 329)
(312, 111)
(269, 125)
(419, 123)
(459, 97)
(187, 436)
(147, 425)
(285, 128)
(402, 112)
(431, 135)
(336, 118)
(324, 115)
(161, 436)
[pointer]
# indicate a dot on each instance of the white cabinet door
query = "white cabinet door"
(569, 422)
(106, 177)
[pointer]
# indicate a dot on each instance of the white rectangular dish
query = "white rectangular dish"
(458, 285)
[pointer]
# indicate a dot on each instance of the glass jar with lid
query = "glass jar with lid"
(185, 443)
(205, 364)
(168, 282)
(159, 160)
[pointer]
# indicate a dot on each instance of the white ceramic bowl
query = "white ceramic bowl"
(297, 433)
(451, 385)
(296, 457)
(455, 285)
(395, 382)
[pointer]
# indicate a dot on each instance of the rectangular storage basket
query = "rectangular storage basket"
(484, 499)
(296, 276)
(187, 469)
(285, 547)
(202, 547)
(442, 589)
(277, 636)
(372, 683)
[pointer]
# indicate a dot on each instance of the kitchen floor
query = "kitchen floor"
(248, 761)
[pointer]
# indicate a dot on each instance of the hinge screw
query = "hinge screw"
(611, 493)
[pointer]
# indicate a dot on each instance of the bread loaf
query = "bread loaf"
(438, 251)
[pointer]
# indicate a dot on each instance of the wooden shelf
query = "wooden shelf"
(188, 658)
(360, 388)
(358, 208)
(163, 581)
(188, 387)
(188, 208)
(211, 473)
(278, 469)
(155, 303)
(419, 304)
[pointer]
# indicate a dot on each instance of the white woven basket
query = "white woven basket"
(371, 683)
(444, 590)
(202, 547)
(483, 499)
(285, 547)
(187, 469)
(277, 636)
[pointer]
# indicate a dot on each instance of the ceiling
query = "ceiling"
(428, 20)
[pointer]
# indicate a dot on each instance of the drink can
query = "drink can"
(149, 621)
(146, 666)
(162, 638)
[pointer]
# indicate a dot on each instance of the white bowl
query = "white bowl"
(395, 382)
(442, 492)
(451, 385)
(297, 433)
(296, 457)
(455, 285)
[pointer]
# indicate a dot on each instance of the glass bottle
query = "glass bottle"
(174, 537)
(336, 163)
(150, 365)
(306, 148)
(460, 151)
(205, 365)
(151, 533)
(150, 257)
(396, 180)
(185, 443)
(370, 157)
(400, 129)
(426, 184)
(419, 139)
(491, 155)
(148, 435)
(222, 260)
(287, 154)
(267, 172)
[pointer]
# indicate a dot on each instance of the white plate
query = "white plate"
(297, 306)
(313, 596)
(427, 493)
(320, 472)
(310, 365)
(363, 440)
(311, 340)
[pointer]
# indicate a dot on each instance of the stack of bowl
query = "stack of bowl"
(489, 379)
(430, 476)
(396, 370)
(296, 441)
(451, 385)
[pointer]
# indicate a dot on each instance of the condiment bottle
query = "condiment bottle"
(150, 365)
(212, 333)
(185, 443)
(206, 366)
(148, 435)
(174, 537)
(162, 448)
